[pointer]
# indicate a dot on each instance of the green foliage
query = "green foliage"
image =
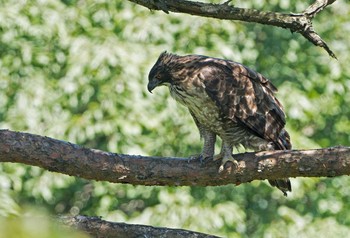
(77, 71)
(26, 226)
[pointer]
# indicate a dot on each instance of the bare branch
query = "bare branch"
(67, 158)
(96, 227)
(317, 6)
(299, 22)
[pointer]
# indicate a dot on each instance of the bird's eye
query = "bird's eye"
(157, 76)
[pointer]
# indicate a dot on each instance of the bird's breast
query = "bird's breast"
(201, 106)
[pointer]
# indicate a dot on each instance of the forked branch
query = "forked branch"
(295, 22)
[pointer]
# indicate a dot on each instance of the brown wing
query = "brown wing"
(244, 96)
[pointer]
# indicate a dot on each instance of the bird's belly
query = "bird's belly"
(204, 110)
(208, 115)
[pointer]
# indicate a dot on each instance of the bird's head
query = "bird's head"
(160, 72)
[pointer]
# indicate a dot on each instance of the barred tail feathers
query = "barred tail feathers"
(283, 143)
(282, 184)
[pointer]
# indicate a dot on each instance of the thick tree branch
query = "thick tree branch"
(96, 227)
(71, 159)
(300, 22)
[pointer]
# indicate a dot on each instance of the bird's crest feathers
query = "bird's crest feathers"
(165, 57)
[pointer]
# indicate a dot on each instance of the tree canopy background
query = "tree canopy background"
(77, 71)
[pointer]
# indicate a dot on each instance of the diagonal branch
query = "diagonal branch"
(300, 22)
(97, 227)
(67, 158)
(317, 6)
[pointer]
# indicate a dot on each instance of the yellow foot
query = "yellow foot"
(225, 160)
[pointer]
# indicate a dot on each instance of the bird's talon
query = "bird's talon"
(203, 158)
(225, 160)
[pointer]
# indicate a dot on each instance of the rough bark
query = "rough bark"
(96, 227)
(295, 22)
(67, 158)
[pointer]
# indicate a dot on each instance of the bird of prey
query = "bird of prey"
(225, 99)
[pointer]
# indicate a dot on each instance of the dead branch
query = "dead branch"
(96, 227)
(67, 158)
(295, 22)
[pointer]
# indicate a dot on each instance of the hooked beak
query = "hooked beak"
(152, 84)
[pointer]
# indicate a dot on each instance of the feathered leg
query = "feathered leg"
(208, 145)
(209, 138)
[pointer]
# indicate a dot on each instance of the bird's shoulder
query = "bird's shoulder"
(215, 71)
(243, 95)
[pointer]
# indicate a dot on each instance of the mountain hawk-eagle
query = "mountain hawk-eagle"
(225, 99)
